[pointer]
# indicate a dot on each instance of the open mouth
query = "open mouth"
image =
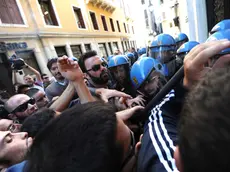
(105, 76)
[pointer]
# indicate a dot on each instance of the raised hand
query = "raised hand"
(194, 62)
(70, 69)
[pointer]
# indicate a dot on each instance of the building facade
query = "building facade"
(38, 30)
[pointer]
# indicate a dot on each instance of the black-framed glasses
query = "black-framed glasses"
(14, 126)
(24, 106)
(131, 151)
(97, 67)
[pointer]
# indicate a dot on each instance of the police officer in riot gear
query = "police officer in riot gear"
(147, 77)
(120, 70)
(163, 48)
(183, 50)
(181, 39)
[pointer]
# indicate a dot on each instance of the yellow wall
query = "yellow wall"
(67, 19)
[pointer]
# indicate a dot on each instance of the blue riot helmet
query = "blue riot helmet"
(181, 39)
(118, 60)
(222, 25)
(185, 49)
(154, 49)
(147, 76)
(143, 55)
(131, 58)
(105, 61)
(109, 57)
(119, 68)
(163, 48)
(223, 34)
(141, 51)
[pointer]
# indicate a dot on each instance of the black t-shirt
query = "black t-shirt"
(160, 134)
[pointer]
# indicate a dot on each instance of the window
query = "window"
(126, 47)
(94, 20)
(76, 49)
(118, 26)
(115, 45)
(110, 48)
(131, 44)
(125, 28)
(9, 12)
(143, 1)
(146, 18)
(123, 47)
(133, 30)
(104, 23)
(61, 51)
(103, 51)
(48, 12)
(112, 25)
(87, 47)
(79, 18)
(128, 28)
(128, 44)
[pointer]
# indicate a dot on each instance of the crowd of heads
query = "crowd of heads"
(93, 133)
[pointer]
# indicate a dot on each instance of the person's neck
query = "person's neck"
(97, 85)
(60, 80)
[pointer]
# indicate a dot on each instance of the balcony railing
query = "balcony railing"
(103, 4)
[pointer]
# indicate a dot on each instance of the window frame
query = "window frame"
(55, 12)
(125, 29)
(86, 28)
(89, 45)
(133, 30)
(104, 46)
(105, 23)
(62, 46)
(22, 15)
(128, 29)
(112, 25)
(96, 20)
(79, 46)
(118, 26)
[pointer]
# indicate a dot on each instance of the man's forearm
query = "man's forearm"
(34, 71)
(83, 92)
(64, 100)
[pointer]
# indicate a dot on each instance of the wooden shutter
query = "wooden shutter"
(4, 12)
(14, 12)
(9, 12)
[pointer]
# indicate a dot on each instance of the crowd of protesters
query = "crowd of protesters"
(88, 116)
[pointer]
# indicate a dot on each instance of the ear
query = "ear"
(177, 158)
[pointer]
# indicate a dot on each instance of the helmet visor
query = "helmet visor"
(165, 55)
(153, 84)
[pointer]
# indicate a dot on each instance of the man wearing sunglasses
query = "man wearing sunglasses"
(9, 125)
(20, 106)
(95, 69)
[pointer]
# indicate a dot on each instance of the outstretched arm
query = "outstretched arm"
(71, 71)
